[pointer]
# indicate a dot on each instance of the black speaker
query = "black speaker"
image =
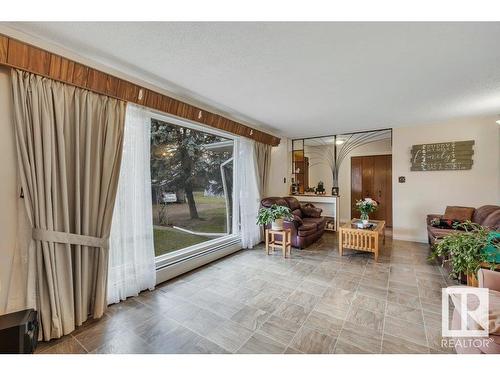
(19, 332)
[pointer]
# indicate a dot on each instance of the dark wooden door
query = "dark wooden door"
(356, 183)
(367, 164)
(371, 176)
(381, 170)
(388, 192)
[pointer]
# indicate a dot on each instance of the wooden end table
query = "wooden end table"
(355, 238)
(285, 244)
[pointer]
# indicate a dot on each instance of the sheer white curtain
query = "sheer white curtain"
(132, 257)
(249, 196)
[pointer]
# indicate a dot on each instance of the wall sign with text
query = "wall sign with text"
(442, 156)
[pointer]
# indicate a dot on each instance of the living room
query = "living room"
(350, 207)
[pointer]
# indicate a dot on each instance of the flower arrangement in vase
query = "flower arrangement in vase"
(366, 206)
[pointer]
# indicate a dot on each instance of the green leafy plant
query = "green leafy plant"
(464, 249)
(275, 212)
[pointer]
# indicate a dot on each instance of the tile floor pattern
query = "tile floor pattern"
(316, 302)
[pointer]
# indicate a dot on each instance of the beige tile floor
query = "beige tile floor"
(315, 302)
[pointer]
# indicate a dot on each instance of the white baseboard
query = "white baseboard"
(409, 238)
(170, 271)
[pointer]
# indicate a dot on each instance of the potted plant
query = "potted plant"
(365, 207)
(274, 215)
(465, 250)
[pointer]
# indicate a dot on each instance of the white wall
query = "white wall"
(430, 192)
(280, 168)
(382, 147)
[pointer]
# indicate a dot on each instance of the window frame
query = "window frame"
(164, 260)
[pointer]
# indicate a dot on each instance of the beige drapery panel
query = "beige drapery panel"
(263, 165)
(69, 144)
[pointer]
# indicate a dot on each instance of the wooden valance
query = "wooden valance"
(20, 55)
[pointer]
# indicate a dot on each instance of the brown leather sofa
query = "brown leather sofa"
(307, 226)
(487, 216)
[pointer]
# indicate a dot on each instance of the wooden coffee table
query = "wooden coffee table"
(354, 238)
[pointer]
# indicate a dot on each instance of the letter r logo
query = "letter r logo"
(471, 311)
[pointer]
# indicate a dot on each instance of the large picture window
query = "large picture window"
(192, 186)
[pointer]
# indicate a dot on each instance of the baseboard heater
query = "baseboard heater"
(175, 268)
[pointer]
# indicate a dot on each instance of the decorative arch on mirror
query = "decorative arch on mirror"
(328, 151)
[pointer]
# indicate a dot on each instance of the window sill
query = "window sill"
(195, 250)
(169, 266)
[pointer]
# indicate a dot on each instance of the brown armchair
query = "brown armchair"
(487, 279)
(307, 225)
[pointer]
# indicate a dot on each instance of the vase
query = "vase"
(364, 218)
(277, 224)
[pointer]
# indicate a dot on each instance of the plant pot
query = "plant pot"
(277, 224)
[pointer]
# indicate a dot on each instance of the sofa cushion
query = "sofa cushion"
(458, 213)
(297, 217)
(307, 229)
(292, 202)
(439, 232)
(318, 221)
(481, 213)
(492, 221)
(268, 202)
(308, 210)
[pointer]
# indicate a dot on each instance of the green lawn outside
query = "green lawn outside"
(212, 213)
(169, 239)
(200, 198)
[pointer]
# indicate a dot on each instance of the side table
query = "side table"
(285, 243)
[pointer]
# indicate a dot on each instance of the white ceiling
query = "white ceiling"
(305, 79)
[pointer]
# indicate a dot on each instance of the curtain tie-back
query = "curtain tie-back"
(70, 238)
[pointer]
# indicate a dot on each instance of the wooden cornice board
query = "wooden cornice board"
(20, 55)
